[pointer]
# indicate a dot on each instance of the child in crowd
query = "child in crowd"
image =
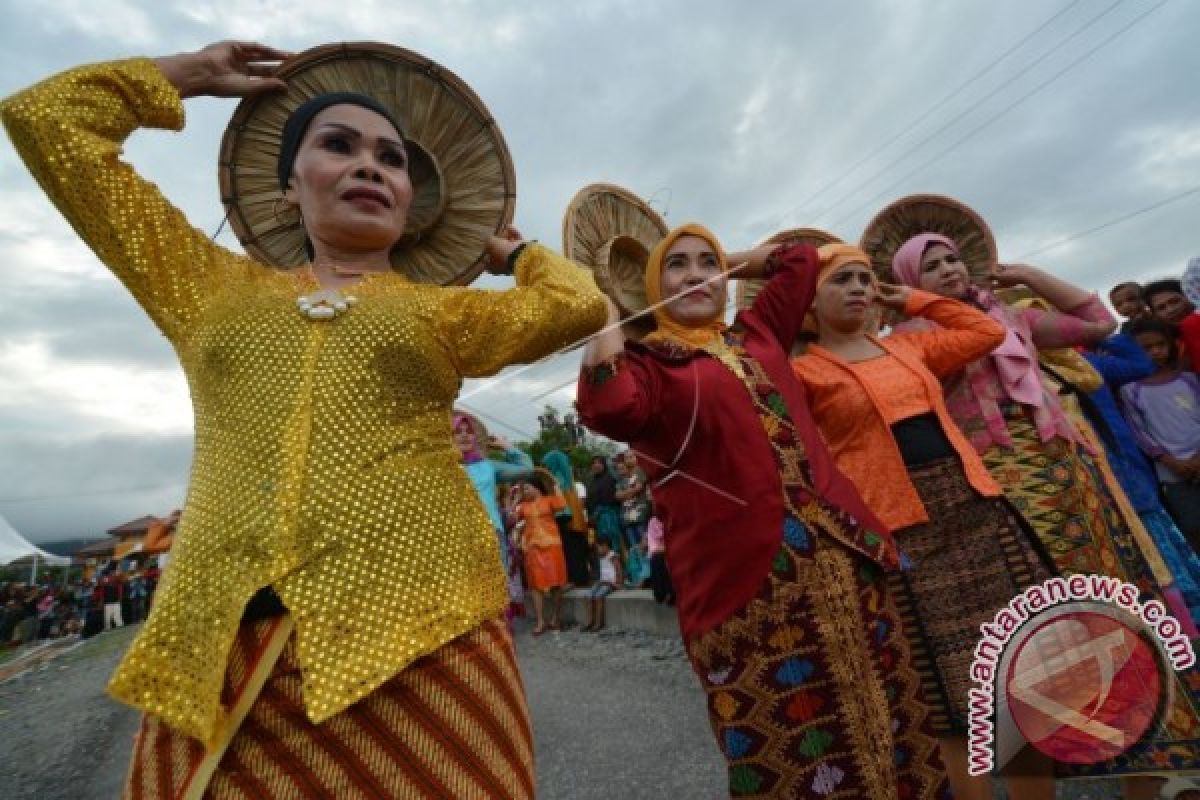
(1126, 298)
(545, 565)
(660, 578)
(610, 579)
(1164, 412)
(1169, 303)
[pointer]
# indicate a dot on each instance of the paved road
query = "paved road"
(617, 716)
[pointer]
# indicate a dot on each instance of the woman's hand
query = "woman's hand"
(614, 313)
(499, 248)
(225, 69)
(892, 296)
(1012, 274)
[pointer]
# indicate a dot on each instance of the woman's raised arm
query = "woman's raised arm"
(69, 130)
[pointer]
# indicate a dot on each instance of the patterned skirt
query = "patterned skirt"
(1062, 492)
(1179, 556)
(972, 557)
(453, 724)
(810, 689)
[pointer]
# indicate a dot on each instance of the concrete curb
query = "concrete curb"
(624, 609)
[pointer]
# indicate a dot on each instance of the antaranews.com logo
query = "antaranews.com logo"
(1082, 682)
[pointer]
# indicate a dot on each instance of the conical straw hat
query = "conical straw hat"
(611, 231)
(464, 186)
(747, 290)
(930, 213)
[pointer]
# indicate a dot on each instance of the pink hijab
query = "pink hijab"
(463, 421)
(1015, 359)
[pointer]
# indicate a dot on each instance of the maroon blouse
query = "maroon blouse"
(723, 509)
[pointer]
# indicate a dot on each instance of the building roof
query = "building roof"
(104, 547)
(134, 526)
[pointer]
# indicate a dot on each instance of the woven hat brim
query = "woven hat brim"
(930, 213)
(597, 215)
(464, 184)
(747, 290)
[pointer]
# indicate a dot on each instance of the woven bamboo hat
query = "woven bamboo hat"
(930, 213)
(611, 231)
(747, 290)
(464, 186)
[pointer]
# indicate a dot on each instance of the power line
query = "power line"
(1088, 54)
(1115, 221)
(918, 119)
(1055, 48)
(96, 493)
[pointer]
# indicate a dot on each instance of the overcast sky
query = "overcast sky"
(750, 117)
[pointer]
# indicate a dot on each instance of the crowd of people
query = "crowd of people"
(1160, 390)
(838, 520)
(559, 530)
(111, 598)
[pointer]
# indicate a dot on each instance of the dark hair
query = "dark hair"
(1137, 287)
(1166, 330)
(299, 120)
(1161, 287)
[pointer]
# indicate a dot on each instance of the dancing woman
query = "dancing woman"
(880, 408)
(777, 563)
(1048, 468)
(325, 483)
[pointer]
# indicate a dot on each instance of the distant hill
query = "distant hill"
(66, 547)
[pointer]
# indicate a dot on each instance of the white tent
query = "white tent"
(14, 546)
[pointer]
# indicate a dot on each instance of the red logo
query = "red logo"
(1084, 687)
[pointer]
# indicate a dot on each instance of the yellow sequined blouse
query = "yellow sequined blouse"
(324, 461)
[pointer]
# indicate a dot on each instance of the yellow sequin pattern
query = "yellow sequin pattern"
(324, 461)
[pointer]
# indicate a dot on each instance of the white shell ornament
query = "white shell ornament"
(325, 303)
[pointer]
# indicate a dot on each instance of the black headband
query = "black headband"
(299, 120)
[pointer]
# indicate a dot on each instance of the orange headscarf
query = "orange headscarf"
(833, 256)
(836, 255)
(669, 328)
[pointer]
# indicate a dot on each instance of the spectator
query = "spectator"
(473, 443)
(1164, 412)
(1126, 298)
(603, 508)
(572, 522)
(1168, 303)
(137, 598)
(151, 577)
(111, 593)
(27, 625)
(14, 612)
(545, 566)
(634, 497)
(610, 579)
(660, 578)
(1120, 360)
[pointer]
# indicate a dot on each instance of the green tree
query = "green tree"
(563, 432)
